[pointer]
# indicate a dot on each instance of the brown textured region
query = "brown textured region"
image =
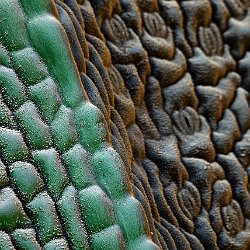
(172, 80)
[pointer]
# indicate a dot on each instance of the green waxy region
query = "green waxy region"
(42, 209)
(55, 177)
(72, 222)
(90, 126)
(33, 8)
(25, 239)
(77, 163)
(130, 218)
(12, 146)
(12, 25)
(12, 215)
(3, 175)
(48, 37)
(13, 90)
(46, 96)
(109, 170)
(63, 129)
(28, 66)
(25, 179)
(5, 241)
(34, 129)
(96, 208)
(58, 244)
(109, 238)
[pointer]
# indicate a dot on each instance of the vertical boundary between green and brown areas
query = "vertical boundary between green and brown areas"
(122, 223)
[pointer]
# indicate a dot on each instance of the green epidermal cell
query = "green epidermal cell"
(13, 90)
(96, 208)
(34, 8)
(109, 171)
(35, 130)
(12, 215)
(26, 179)
(109, 238)
(12, 25)
(43, 211)
(25, 239)
(74, 227)
(76, 160)
(48, 37)
(57, 244)
(130, 218)
(12, 146)
(28, 66)
(90, 126)
(63, 130)
(46, 96)
(50, 166)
